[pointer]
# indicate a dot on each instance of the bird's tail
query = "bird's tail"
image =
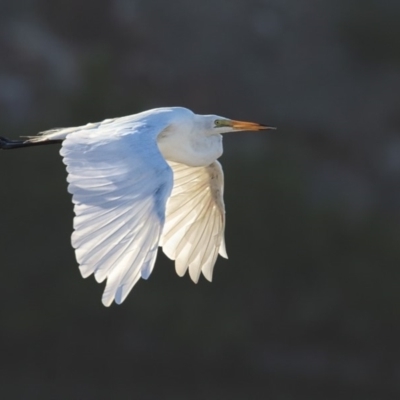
(7, 144)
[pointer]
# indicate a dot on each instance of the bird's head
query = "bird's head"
(218, 125)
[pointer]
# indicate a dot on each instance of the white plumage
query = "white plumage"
(144, 181)
(195, 219)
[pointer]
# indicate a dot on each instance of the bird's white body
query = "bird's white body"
(143, 181)
(177, 136)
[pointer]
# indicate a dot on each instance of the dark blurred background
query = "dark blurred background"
(308, 304)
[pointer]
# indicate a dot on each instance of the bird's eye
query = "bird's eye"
(217, 123)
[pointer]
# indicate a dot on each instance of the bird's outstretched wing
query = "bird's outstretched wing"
(193, 234)
(120, 184)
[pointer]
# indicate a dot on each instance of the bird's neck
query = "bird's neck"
(191, 149)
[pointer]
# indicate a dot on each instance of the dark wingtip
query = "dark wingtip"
(7, 144)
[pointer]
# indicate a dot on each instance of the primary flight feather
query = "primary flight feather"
(143, 181)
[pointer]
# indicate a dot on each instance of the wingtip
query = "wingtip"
(85, 271)
(194, 275)
(222, 250)
(107, 300)
(180, 268)
(208, 277)
(106, 303)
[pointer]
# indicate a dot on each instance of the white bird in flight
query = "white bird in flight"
(143, 181)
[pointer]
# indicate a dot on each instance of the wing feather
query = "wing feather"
(120, 184)
(193, 234)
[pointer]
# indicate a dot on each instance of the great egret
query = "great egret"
(143, 181)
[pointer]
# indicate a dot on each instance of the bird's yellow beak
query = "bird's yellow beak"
(249, 126)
